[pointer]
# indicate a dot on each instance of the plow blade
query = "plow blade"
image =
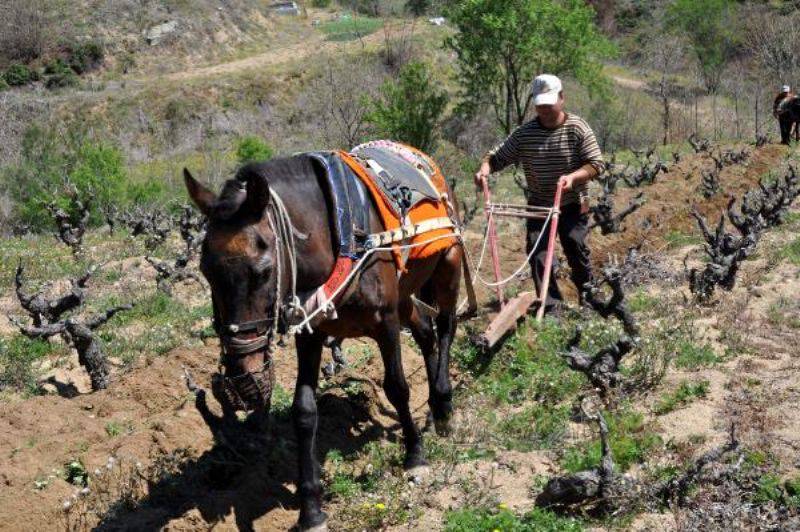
(506, 320)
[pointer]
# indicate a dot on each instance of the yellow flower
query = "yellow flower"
(503, 506)
(496, 530)
(380, 506)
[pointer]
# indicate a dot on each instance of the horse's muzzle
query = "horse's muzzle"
(247, 391)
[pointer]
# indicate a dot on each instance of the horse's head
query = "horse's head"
(240, 262)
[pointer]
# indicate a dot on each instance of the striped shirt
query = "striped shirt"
(547, 154)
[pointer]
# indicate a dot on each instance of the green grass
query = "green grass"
(530, 368)
(791, 252)
(677, 239)
(495, 519)
(630, 440)
(692, 356)
(161, 323)
(349, 28)
(684, 394)
(17, 357)
(784, 312)
(535, 427)
(640, 301)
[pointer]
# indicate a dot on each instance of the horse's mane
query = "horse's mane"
(283, 173)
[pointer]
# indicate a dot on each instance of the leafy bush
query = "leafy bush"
(58, 75)
(3, 84)
(86, 56)
(18, 75)
(253, 149)
(320, 3)
(54, 165)
(410, 109)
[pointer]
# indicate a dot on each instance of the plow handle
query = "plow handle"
(490, 228)
(551, 241)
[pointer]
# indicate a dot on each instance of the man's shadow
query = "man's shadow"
(246, 470)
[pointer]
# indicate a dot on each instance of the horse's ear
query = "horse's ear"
(201, 196)
(258, 195)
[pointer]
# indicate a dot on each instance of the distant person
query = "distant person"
(779, 111)
(555, 147)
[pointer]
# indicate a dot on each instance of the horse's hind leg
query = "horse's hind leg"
(396, 387)
(304, 415)
(445, 283)
(422, 330)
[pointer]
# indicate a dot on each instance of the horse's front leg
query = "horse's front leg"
(304, 415)
(396, 388)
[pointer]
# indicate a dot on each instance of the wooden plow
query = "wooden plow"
(511, 310)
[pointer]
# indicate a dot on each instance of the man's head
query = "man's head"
(548, 99)
(786, 88)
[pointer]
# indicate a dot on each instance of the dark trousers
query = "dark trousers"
(786, 129)
(573, 227)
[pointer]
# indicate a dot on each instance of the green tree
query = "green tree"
(410, 109)
(253, 149)
(501, 45)
(709, 26)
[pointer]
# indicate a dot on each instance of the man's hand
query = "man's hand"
(567, 181)
(483, 173)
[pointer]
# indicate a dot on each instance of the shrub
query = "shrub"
(86, 56)
(252, 149)
(24, 29)
(18, 75)
(55, 164)
(410, 109)
(320, 3)
(3, 84)
(58, 74)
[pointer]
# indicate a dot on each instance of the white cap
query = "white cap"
(545, 89)
(786, 88)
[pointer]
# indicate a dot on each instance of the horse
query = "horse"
(788, 117)
(243, 258)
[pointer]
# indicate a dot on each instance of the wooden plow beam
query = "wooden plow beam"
(512, 310)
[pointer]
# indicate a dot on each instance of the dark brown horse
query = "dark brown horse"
(241, 258)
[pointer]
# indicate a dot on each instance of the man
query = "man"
(785, 120)
(555, 147)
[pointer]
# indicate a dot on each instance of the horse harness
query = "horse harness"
(252, 390)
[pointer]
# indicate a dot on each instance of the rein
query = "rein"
(265, 329)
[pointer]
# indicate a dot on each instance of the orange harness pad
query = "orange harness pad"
(424, 210)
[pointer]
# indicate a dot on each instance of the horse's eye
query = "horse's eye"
(261, 244)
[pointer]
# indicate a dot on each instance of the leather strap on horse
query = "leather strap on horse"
(408, 231)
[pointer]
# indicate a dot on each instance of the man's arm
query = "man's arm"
(498, 158)
(585, 173)
(592, 159)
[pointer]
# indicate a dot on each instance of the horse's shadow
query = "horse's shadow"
(246, 471)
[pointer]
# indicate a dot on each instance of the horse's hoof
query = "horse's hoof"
(418, 473)
(318, 528)
(322, 527)
(443, 426)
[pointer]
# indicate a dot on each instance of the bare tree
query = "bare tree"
(339, 99)
(666, 55)
(24, 29)
(772, 40)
